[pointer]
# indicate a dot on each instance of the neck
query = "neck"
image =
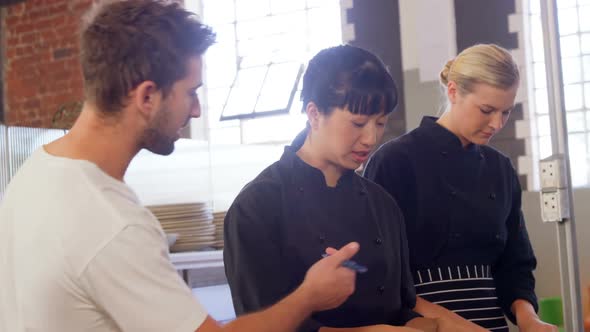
(446, 121)
(102, 141)
(311, 154)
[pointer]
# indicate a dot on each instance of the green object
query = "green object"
(551, 311)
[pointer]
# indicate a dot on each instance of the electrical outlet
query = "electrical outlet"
(552, 172)
(554, 196)
(554, 206)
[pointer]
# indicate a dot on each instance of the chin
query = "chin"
(156, 142)
(478, 140)
(351, 166)
(161, 149)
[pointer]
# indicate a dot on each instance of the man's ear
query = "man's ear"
(146, 98)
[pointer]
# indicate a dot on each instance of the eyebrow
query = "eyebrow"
(494, 109)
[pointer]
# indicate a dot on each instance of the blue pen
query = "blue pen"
(352, 265)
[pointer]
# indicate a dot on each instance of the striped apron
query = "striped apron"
(468, 291)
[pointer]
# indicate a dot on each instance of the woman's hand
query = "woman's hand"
(447, 320)
(373, 328)
(527, 319)
(534, 324)
(446, 324)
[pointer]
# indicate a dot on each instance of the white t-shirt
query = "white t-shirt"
(78, 252)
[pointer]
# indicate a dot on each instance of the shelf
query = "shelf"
(197, 259)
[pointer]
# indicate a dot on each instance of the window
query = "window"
(574, 29)
(255, 68)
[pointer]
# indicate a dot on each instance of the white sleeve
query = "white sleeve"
(133, 281)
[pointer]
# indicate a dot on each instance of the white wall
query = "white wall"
(544, 240)
(428, 41)
(199, 172)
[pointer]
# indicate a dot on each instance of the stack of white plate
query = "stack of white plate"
(193, 222)
(218, 218)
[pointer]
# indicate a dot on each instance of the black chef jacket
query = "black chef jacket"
(462, 206)
(281, 223)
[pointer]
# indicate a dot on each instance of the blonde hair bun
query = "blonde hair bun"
(482, 63)
(444, 73)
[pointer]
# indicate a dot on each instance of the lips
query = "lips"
(360, 156)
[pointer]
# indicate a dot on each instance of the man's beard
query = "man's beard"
(154, 140)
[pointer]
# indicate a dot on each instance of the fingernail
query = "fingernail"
(353, 245)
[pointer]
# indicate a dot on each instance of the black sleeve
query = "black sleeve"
(252, 254)
(513, 272)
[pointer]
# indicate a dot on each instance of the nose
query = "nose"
(369, 135)
(196, 109)
(497, 121)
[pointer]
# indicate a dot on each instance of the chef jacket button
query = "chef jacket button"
(322, 238)
(300, 189)
(378, 241)
(444, 153)
(381, 289)
(492, 196)
(453, 193)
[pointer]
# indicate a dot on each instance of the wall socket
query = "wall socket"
(552, 172)
(554, 194)
(554, 205)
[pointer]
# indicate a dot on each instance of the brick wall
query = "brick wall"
(41, 70)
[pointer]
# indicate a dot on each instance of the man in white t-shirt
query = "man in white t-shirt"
(78, 252)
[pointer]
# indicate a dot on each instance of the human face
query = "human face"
(477, 116)
(176, 109)
(346, 139)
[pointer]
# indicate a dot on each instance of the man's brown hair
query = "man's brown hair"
(124, 43)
